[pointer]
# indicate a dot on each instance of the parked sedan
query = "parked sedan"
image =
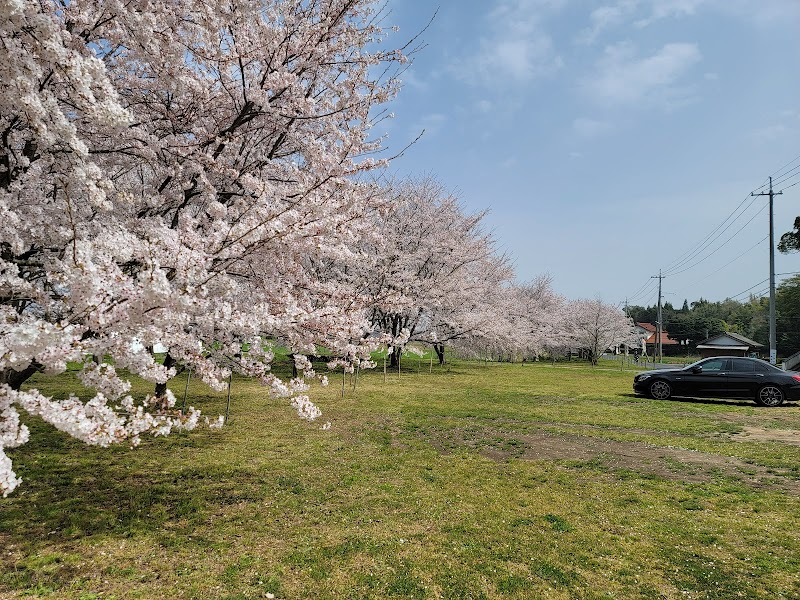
(722, 377)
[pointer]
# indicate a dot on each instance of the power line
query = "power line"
(791, 186)
(776, 173)
(761, 282)
(718, 248)
(676, 267)
(786, 176)
(699, 247)
(759, 242)
(641, 291)
(748, 289)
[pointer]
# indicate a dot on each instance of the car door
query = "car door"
(743, 379)
(711, 380)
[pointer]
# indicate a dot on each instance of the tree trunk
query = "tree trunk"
(394, 358)
(15, 379)
(161, 388)
(439, 348)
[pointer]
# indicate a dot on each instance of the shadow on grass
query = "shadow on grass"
(68, 494)
(691, 400)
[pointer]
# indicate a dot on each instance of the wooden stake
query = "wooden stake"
(186, 389)
(228, 405)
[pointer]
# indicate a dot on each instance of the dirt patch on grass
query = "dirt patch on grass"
(669, 463)
(759, 434)
(666, 462)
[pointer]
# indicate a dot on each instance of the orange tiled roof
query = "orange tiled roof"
(651, 339)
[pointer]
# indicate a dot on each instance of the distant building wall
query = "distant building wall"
(722, 351)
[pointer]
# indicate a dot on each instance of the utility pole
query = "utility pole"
(659, 326)
(773, 345)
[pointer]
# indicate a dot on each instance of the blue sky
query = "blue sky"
(609, 138)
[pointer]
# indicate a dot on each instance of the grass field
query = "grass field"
(475, 481)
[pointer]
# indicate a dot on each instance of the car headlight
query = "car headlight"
(642, 377)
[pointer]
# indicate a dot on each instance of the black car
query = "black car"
(722, 377)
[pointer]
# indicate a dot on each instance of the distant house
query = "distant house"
(728, 344)
(649, 333)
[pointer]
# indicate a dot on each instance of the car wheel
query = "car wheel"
(660, 389)
(770, 395)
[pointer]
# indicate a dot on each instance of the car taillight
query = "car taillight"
(796, 377)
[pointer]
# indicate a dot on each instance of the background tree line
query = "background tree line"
(695, 321)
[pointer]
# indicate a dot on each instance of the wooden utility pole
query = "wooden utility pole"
(773, 344)
(659, 326)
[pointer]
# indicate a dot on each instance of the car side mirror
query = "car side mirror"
(697, 369)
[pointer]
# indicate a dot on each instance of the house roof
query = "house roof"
(734, 340)
(653, 330)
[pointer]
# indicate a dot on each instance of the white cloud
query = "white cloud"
(787, 124)
(771, 133)
(761, 12)
(510, 162)
(624, 79)
(644, 13)
(591, 128)
(409, 78)
(665, 9)
(515, 49)
(431, 123)
(606, 17)
(624, 11)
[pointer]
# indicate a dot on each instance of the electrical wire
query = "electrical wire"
(782, 176)
(643, 291)
(785, 177)
(708, 242)
(760, 282)
(794, 160)
(700, 246)
(677, 266)
(639, 291)
(790, 186)
(754, 246)
(777, 173)
(722, 245)
(748, 289)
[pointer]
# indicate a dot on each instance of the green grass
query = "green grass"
(475, 481)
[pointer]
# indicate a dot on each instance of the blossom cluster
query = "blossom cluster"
(186, 174)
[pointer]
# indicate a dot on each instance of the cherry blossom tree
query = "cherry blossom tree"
(435, 271)
(595, 326)
(536, 314)
(175, 173)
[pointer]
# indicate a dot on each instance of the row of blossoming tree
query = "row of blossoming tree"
(197, 175)
(437, 279)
